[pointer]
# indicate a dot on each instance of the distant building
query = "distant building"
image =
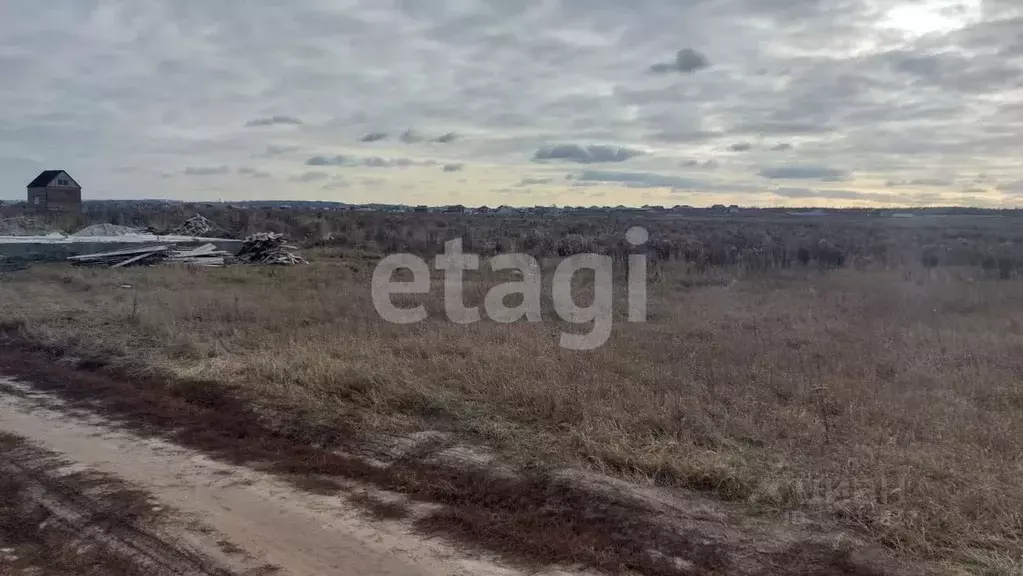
(54, 191)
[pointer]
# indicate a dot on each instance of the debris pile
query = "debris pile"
(142, 255)
(197, 225)
(205, 255)
(268, 248)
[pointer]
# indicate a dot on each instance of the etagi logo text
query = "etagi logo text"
(454, 262)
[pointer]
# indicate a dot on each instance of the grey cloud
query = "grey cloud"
(374, 136)
(410, 136)
(585, 154)
(368, 161)
(336, 184)
(685, 135)
(273, 121)
(378, 162)
(955, 71)
(639, 179)
(453, 167)
(206, 170)
(446, 138)
(1012, 188)
(311, 177)
(776, 123)
(789, 192)
(691, 163)
(536, 181)
(740, 147)
(781, 146)
(939, 182)
(819, 73)
(328, 161)
(279, 149)
(686, 60)
(253, 172)
(804, 173)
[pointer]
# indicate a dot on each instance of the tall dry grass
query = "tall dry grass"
(888, 399)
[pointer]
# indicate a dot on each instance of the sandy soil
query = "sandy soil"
(254, 520)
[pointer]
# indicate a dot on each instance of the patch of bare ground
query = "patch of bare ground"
(81, 523)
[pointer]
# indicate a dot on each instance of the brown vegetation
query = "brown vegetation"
(879, 389)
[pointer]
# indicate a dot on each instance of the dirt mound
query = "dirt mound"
(105, 230)
(22, 226)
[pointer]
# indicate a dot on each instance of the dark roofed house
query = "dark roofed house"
(54, 191)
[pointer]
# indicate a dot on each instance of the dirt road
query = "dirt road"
(247, 521)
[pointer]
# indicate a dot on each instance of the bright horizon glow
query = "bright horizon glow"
(918, 19)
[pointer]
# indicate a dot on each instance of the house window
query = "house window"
(62, 182)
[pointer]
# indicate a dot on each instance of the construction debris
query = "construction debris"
(262, 248)
(268, 248)
(117, 258)
(205, 255)
(197, 225)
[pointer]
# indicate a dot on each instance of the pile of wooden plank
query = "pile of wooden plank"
(197, 225)
(140, 256)
(268, 248)
(205, 255)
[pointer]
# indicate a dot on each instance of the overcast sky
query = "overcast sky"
(567, 102)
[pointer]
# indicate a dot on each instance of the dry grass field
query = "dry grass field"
(887, 395)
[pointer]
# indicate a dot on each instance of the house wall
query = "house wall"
(37, 199)
(63, 199)
(55, 199)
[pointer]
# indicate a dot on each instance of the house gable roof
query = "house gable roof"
(47, 176)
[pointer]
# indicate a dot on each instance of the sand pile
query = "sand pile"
(105, 230)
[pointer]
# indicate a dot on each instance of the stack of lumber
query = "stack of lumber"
(205, 255)
(268, 248)
(125, 257)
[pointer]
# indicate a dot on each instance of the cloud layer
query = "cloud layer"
(737, 101)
